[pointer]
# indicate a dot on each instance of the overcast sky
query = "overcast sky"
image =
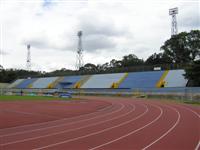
(111, 29)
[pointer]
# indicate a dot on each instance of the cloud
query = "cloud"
(98, 26)
(99, 34)
(47, 44)
(3, 52)
(97, 43)
(189, 15)
(47, 3)
(110, 29)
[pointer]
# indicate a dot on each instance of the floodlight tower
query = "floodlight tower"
(174, 28)
(28, 61)
(79, 62)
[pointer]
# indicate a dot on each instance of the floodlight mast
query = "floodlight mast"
(79, 62)
(174, 28)
(28, 61)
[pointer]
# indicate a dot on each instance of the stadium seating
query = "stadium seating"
(141, 79)
(102, 80)
(25, 83)
(15, 83)
(175, 78)
(68, 82)
(43, 82)
(133, 80)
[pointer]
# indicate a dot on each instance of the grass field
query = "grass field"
(31, 98)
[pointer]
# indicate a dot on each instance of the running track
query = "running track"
(99, 124)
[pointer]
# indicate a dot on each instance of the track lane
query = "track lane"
(137, 138)
(166, 132)
(27, 128)
(61, 107)
(79, 141)
(69, 135)
(185, 134)
(63, 128)
(153, 130)
(119, 133)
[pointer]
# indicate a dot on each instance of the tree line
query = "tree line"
(181, 51)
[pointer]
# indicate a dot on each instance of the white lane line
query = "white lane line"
(168, 131)
(29, 113)
(132, 132)
(191, 111)
(195, 113)
(94, 133)
(47, 122)
(66, 131)
(64, 124)
(197, 147)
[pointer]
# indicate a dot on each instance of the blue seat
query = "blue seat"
(25, 83)
(16, 83)
(68, 82)
(175, 78)
(43, 82)
(102, 80)
(141, 79)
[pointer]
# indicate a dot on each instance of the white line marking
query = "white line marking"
(60, 125)
(29, 113)
(168, 131)
(47, 122)
(134, 131)
(198, 144)
(191, 110)
(66, 131)
(94, 133)
(197, 147)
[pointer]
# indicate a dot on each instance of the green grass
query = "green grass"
(192, 102)
(30, 98)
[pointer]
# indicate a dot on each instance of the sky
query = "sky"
(111, 29)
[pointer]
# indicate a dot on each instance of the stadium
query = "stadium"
(102, 111)
(127, 104)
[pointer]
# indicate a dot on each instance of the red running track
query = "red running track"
(99, 124)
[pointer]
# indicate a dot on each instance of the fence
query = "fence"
(187, 93)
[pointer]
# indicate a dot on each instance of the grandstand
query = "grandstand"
(175, 78)
(132, 80)
(67, 82)
(15, 83)
(141, 79)
(103, 80)
(25, 83)
(43, 82)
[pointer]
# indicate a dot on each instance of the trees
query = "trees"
(2, 74)
(193, 73)
(131, 60)
(183, 47)
(115, 63)
(1, 67)
(89, 67)
(9, 75)
(159, 58)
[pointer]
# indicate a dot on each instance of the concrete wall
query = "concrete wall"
(4, 85)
